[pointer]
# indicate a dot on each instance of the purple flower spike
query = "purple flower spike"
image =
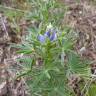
(53, 36)
(41, 38)
(50, 34)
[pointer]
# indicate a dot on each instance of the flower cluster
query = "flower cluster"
(49, 34)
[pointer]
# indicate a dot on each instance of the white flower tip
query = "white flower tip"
(49, 26)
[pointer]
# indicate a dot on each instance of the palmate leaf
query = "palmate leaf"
(55, 86)
(26, 62)
(77, 65)
(25, 48)
(26, 66)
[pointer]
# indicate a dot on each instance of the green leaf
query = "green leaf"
(25, 51)
(26, 63)
(77, 65)
(47, 74)
(92, 90)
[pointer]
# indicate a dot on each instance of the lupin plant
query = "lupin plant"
(51, 62)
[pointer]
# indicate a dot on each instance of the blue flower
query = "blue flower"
(41, 38)
(51, 34)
